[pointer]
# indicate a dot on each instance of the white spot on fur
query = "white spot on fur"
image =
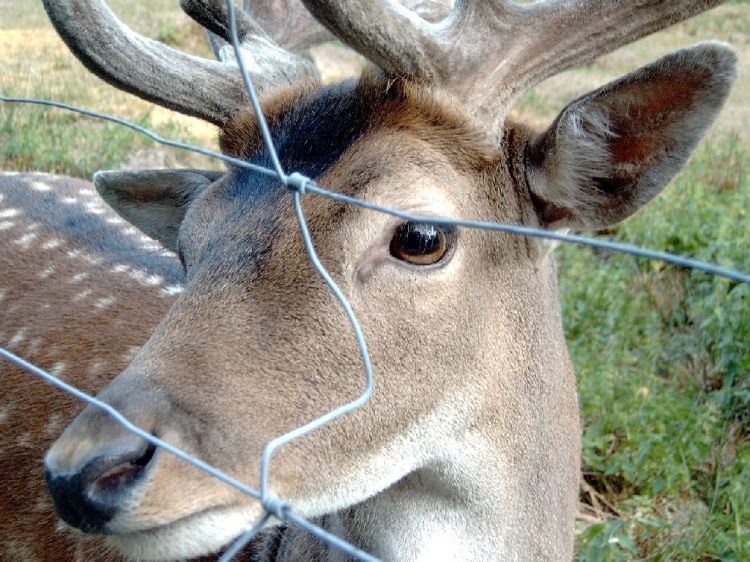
(97, 368)
(43, 504)
(54, 424)
(26, 240)
(58, 368)
(3, 292)
(130, 353)
(40, 186)
(120, 268)
(86, 192)
(10, 213)
(52, 244)
(46, 272)
(115, 220)
(82, 295)
(4, 413)
(130, 231)
(78, 277)
(5, 225)
(172, 289)
(93, 208)
(101, 304)
(18, 337)
(33, 226)
(146, 279)
(69, 200)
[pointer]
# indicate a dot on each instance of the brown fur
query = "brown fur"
(470, 445)
(63, 333)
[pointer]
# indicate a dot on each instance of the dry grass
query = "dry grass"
(37, 63)
(729, 23)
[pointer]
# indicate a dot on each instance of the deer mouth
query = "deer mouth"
(198, 534)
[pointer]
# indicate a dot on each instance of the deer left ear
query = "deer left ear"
(611, 151)
(154, 201)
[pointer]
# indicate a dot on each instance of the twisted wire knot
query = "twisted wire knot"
(297, 182)
(276, 506)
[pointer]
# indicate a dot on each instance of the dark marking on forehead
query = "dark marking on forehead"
(310, 136)
(312, 128)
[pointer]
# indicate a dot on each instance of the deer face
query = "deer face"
(464, 326)
(256, 345)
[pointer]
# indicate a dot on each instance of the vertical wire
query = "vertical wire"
(265, 132)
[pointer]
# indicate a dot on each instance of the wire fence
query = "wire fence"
(299, 186)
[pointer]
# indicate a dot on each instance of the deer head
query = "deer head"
(469, 448)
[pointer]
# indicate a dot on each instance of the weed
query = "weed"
(663, 363)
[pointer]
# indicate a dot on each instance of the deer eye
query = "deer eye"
(420, 243)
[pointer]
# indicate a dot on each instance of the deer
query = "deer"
(223, 336)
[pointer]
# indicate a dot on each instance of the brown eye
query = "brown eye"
(420, 243)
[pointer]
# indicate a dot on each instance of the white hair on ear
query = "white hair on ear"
(615, 149)
(582, 144)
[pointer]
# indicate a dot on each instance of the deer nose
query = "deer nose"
(90, 497)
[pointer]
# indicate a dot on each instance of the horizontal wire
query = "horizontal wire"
(143, 130)
(287, 513)
(313, 187)
(300, 188)
(127, 424)
(537, 233)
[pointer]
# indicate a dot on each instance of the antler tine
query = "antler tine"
(388, 34)
(207, 89)
(212, 15)
(539, 40)
(485, 53)
(288, 23)
(262, 37)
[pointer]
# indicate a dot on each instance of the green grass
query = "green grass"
(58, 141)
(662, 354)
(663, 362)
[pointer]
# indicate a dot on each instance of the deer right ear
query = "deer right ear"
(154, 201)
(613, 150)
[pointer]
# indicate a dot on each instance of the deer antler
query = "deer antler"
(285, 22)
(485, 53)
(210, 90)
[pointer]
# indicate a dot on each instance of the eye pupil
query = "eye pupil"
(420, 243)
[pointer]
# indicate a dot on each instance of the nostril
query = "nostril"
(89, 498)
(121, 475)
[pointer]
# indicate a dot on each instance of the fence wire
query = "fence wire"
(300, 185)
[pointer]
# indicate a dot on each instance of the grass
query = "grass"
(663, 366)
(728, 22)
(662, 354)
(37, 64)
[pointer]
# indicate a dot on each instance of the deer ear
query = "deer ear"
(154, 201)
(611, 151)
